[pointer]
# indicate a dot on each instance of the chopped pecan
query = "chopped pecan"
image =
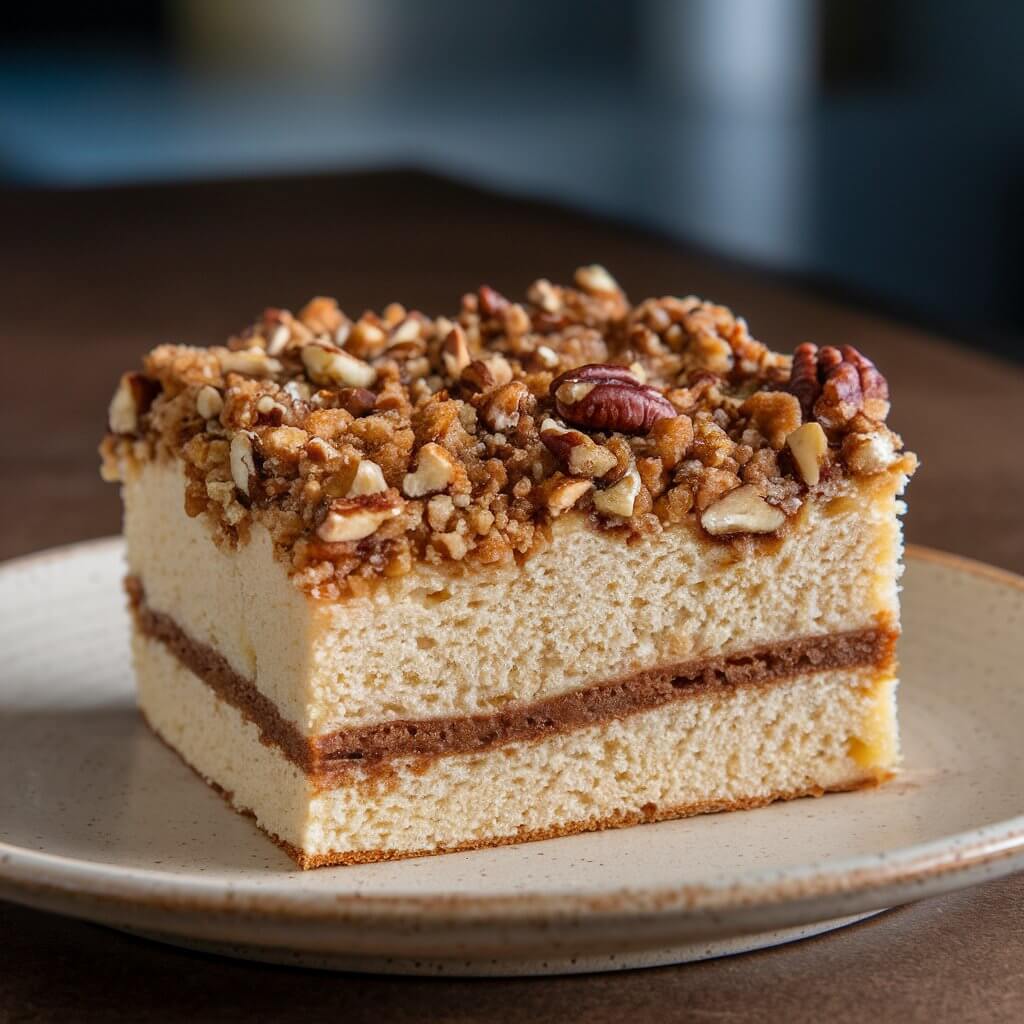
(249, 362)
(485, 374)
(606, 397)
(348, 519)
(564, 493)
(503, 406)
(133, 397)
(741, 511)
(490, 302)
(326, 364)
(209, 402)
(620, 498)
(580, 454)
(356, 401)
(809, 447)
(595, 280)
(243, 463)
(435, 470)
(455, 352)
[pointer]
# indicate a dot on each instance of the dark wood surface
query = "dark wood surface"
(91, 280)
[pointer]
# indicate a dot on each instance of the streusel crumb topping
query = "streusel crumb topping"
(367, 445)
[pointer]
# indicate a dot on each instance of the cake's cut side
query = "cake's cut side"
(434, 643)
(408, 584)
(721, 750)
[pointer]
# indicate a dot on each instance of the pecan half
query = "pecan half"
(803, 377)
(841, 397)
(873, 386)
(606, 397)
(834, 385)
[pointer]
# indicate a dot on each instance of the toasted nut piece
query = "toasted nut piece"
(355, 518)
(368, 480)
(408, 330)
(249, 362)
(841, 397)
(808, 446)
(620, 498)
(299, 390)
(455, 352)
(573, 391)
(329, 365)
(742, 511)
(490, 302)
(209, 402)
(595, 280)
(502, 407)
(564, 494)
(277, 339)
(320, 451)
(478, 375)
(580, 454)
(606, 397)
(134, 395)
(776, 414)
(366, 339)
(321, 315)
(242, 460)
(867, 454)
(874, 387)
(271, 410)
(435, 470)
(803, 377)
(547, 356)
(501, 371)
(394, 313)
(487, 374)
(356, 401)
(542, 293)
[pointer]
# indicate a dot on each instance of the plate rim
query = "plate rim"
(865, 881)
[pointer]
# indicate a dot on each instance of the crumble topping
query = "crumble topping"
(365, 445)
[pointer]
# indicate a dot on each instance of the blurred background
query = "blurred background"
(876, 147)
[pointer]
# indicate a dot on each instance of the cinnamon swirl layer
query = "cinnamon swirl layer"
(329, 757)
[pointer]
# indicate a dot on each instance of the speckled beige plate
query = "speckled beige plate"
(99, 820)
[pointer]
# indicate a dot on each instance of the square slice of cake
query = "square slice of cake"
(409, 584)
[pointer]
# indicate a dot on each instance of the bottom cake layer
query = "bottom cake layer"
(723, 750)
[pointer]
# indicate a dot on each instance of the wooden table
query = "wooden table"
(92, 279)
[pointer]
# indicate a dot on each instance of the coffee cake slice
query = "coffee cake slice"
(404, 584)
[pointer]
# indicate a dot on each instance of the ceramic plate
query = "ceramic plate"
(99, 820)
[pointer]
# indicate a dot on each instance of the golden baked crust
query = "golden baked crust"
(367, 445)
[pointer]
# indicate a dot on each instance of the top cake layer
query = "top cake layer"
(366, 447)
